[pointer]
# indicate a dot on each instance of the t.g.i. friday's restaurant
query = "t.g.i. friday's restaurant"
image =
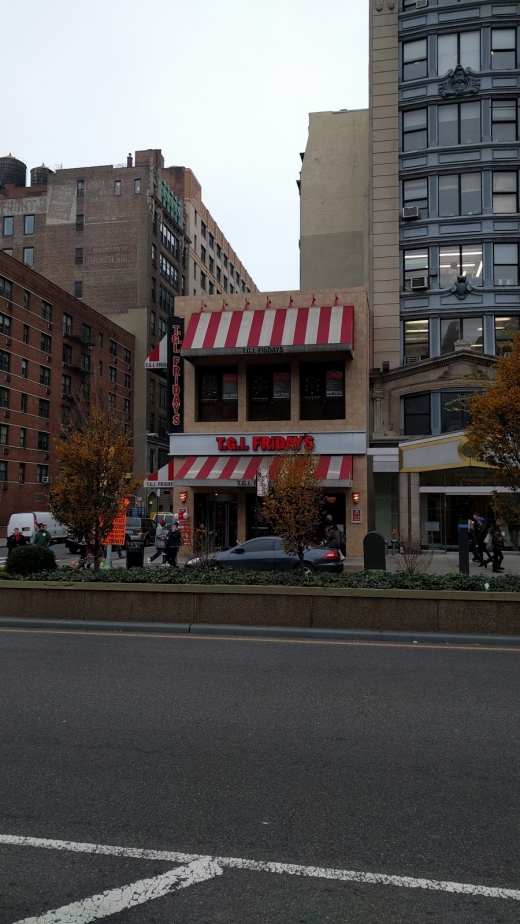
(252, 376)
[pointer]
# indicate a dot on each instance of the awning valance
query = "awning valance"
(240, 471)
(270, 331)
(157, 358)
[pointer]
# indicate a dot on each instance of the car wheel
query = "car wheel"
(308, 569)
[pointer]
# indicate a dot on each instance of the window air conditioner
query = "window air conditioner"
(46, 480)
(47, 391)
(7, 377)
(410, 212)
(420, 4)
(505, 282)
(7, 413)
(412, 360)
(49, 326)
(419, 282)
(6, 451)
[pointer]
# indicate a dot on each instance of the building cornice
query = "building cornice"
(428, 365)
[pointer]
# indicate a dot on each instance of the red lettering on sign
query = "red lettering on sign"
(221, 443)
(308, 441)
(256, 443)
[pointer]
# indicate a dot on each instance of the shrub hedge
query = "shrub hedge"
(368, 579)
(29, 559)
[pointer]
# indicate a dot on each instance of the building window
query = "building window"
(459, 123)
(3, 471)
(161, 430)
(67, 325)
(503, 49)
(453, 329)
(505, 193)
(8, 227)
(78, 258)
(269, 392)
(44, 408)
(153, 318)
(202, 253)
(126, 380)
(415, 59)
(454, 415)
(126, 405)
(416, 269)
(78, 289)
(137, 187)
(505, 264)
(112, 348)
(322, 391)
(111, 399)
(504, 118)
(183, 285)
(218, 273)
(25, 368)
(25, 333)
(154, 255)
(28, 224)
(6, 288)
(165, 300)
(42, 473)
(211, 265)
(127, 356)
(117, 188)
(23, 403)
(27, 300)
(66, 354)
(46, 311)
(169, 271)
(21, 473)
(162, 395)
(417, 415)
(66, 386)
(46, 343)
(162, 327)
(5, 361)
(28, 256)
(85, 362)
(100, 341)
(231, 290)
(225, 284)
(4, 435)
(460, 194)
(45, 376)
(460, 260)
(152, 390)
(203, 281)
(80, 189)
(85, 390)
(211, 240)
(80, 222)
(112, 374)
(415, 130)
(231, 272)
(415, 194)
(23, 437)
(65, 415)
(154, 289)
(43, 441)
(211, 288)
(154, 223)
(505, 330)
(218, 250)
(218, 393)
(86, 333)
(203, 229)
(462, 48)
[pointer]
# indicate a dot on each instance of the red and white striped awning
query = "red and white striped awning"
(157, 358)
(161, 479)
(237, 471)
(270, 331)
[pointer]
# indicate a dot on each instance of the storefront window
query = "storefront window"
(453, 329)
(322, 390)
(218, 394)
(454, 413)
(269, 391)
(505, 330)
(417, 415)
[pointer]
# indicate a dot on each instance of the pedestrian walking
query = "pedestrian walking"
(173, 544)
(481, 533)
(41, 537)
(15, 540)
(332, 534)
(473, 542)
(497, 545)
(161, 534)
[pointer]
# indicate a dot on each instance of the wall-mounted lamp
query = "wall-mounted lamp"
(356, 497)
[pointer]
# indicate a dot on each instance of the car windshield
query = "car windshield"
(133, 521)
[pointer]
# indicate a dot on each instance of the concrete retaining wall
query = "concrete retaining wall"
(289, 607)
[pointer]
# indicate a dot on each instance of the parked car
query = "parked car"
(140, 529)
(267, 554)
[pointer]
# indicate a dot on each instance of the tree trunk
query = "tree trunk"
(300, 556)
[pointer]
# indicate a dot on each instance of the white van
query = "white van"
(27, 523)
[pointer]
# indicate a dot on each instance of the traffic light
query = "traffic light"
(126, 502)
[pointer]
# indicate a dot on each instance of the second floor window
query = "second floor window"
(269, 391)
(503, 49)
(415, 130)
(415, 59)
(505, 193)
(417, 415)
(322, 391)
(460, 194)
(463, 260)
(459, 123)
(218, 394)
(454, 413)
(458, 48)
(505, 269)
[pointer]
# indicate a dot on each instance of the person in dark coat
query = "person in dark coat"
(16, 540)
(498, 545)
(332, 534)
(173, 544)
(481, 532)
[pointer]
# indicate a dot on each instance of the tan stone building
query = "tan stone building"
(262, 372)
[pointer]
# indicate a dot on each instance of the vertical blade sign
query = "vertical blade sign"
(175, 374)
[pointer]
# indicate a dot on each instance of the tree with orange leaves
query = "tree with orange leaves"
(95, 456)
(293, 499)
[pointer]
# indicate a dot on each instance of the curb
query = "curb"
(266, 632)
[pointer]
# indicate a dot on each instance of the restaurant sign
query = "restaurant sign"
(275, 443)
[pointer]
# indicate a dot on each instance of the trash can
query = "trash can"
(134, 554)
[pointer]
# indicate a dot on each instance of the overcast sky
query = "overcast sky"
(222, 87)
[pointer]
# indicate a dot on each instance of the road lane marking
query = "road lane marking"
(261, 866)
(115, 633)
(113, 901)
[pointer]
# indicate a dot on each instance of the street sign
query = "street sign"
(117, 534)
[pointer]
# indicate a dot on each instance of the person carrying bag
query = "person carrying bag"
(160, 541)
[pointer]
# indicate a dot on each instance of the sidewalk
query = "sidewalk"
(446, 563)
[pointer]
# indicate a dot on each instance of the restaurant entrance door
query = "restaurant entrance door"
(219, 514)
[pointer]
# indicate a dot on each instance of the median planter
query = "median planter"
(288, 607)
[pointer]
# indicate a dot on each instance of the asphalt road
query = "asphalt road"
(370, 759)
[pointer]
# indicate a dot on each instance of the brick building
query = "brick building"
(53, 348)
(117, 236)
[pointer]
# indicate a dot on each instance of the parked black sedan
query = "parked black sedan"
(267, 554)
